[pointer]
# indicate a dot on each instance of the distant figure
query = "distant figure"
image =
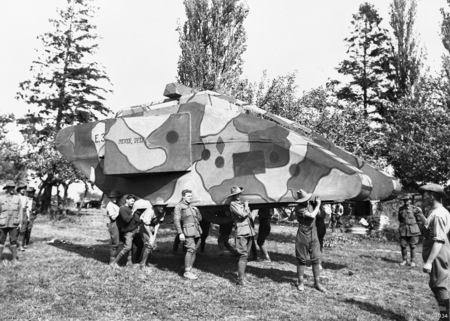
(11, 212)
(129, 226)
(151, 219)
(337, 212)
(408, 216)
(186, 219)
(31, 215)
(21, 189)
(112, 211)
(436, 247)
(307, 241)
(265, 216)
(241, 214)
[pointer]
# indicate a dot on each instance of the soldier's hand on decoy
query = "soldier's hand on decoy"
(182, 237)
(426, 268)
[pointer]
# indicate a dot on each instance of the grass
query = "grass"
(64, 275)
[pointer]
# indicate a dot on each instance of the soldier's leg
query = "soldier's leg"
(28, 233)
(13, 236)
(2, 241)
(414, 240)
(127, 247)
(205, 225)
(190, 245)
(439, 278)
(253, 249)
(301, 254)
(263, 232)
(243, 245)
(176, 244)
(21, 236)
(404, 248)
(115, 241)
(147, 246)
(315, 261)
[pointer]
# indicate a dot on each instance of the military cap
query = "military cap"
(303, 196)
(432, 187)
(21, 186)
(159, 201)
(31, 189)
(9, 183)
(114, 194)
(236, 190)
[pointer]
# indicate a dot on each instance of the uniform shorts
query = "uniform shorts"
(409, 241)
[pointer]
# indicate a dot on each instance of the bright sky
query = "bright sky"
(140, 45)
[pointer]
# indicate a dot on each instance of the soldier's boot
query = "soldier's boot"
(300, 277)
(145, 256)
(14, 254)
(444, 310)
(316, 273)
(26, 239)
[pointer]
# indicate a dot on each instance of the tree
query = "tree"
(11, 165)
(407, 59)
(66, 88)
(444, 83)
(212, 42)
(368, 63)
(417, 139)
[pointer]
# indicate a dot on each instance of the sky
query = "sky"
(139, 46)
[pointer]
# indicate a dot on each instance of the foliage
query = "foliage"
(11, 165)
(212, 41)
(444, 83)
(368, 63)
(344, 125)
(407, 58)
(66, 88)
(417, 139)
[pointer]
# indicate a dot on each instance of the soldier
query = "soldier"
(307, 241)
(151, 219)
(21, 189)
(31, 215)
(186, 219)
(265, 216)
(241, 214)
(112, 210)
(408, 216)
(436, 247)
(11, 212)
(129, 225)
(337, 212)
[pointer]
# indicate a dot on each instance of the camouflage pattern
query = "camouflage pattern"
(208, 143)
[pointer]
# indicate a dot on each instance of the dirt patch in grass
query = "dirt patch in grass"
(64, 275)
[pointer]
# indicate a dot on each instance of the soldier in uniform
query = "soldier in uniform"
(129, 226)
(112, 211)
(186, 219)
(151, 219)
(307, 241)
(31, 215)
(436, 246)
(11, 212)
(21, 189)
(408, 216)
(241, 214)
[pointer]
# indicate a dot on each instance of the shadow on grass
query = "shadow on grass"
(99, 252)
(376, 309)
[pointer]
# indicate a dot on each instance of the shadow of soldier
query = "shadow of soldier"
(376, 309)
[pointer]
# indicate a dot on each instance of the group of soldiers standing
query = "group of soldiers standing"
(17, 214)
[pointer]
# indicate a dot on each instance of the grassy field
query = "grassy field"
(64, 275)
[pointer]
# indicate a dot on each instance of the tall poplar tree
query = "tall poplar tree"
(66, 87)
(368, 63)
(407, 57)
(212, 42)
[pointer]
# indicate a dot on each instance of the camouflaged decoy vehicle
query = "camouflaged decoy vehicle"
(209, 142)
